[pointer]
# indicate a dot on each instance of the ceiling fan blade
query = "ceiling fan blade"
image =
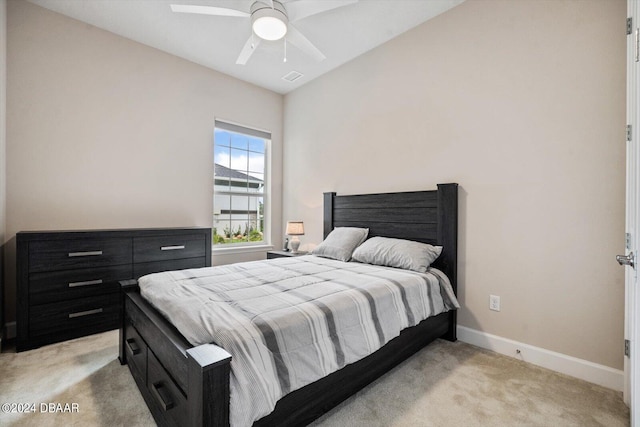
(249, 47)
(296, 38)
(208, 10)
(300, 9)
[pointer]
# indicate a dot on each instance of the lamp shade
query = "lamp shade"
(295, 228)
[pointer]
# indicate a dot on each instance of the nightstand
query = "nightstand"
(283, 254)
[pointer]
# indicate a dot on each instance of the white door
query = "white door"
(632, 295)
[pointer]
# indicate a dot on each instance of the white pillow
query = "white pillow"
(341, 242)
(397, 253)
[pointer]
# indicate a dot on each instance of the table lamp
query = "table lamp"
(295, 229)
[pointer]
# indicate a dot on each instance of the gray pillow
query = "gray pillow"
(397, 253)
(341, 242)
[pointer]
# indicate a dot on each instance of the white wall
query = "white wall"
(523, 104)
(104, 132)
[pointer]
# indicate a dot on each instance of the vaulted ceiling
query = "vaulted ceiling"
(341, 34)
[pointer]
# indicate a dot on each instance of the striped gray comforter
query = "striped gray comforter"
(289, 321)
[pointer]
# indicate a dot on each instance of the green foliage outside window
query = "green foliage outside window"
(249, 234)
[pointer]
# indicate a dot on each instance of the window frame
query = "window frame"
(248, 246)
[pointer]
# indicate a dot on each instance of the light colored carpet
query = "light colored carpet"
(445, 384)
(85, 371)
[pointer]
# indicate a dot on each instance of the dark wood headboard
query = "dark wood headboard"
(422, 216)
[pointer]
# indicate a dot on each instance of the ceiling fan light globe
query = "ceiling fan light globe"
(269, 28)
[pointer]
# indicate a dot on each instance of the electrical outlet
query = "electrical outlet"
(494, 302)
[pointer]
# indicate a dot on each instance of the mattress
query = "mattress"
(290, 321)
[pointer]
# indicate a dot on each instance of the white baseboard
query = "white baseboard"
(579, 368)
(10, 330)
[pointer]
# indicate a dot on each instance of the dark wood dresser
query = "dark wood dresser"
(68, 281)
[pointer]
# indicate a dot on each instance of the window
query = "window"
(239, 188)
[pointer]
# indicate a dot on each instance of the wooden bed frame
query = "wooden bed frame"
(189, 386)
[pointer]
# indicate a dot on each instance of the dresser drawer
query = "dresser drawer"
(143, 268)
(166, 395)
(161, 248)
(68, 284)
(136, 350)
(81, 253)
(85, 315)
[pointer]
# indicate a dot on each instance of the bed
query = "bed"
(189, 385)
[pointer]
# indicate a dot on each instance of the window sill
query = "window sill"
(241, 249)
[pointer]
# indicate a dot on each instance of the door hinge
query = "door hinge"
(627, 240)
(629, 133)
(627, 348)
(629, 26)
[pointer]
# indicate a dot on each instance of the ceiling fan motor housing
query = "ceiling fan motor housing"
(269, 23)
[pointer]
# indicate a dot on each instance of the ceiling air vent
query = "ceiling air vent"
(292, 76)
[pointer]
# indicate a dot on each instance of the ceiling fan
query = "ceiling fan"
(272, 20)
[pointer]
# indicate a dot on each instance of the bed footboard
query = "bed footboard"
(209, 370)
(182, 385)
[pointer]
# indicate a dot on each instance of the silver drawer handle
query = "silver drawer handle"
(85, 313)
(88, 253)
(85, 283)
(171, 248)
